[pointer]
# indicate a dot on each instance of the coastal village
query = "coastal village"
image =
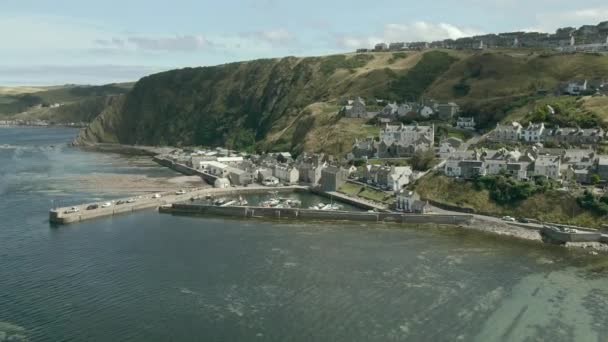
(410, 141)
(379, 168)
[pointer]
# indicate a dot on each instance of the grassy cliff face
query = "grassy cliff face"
(490, 85)
(292, 103)
(78, 103)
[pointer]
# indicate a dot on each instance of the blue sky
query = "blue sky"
(80, 41)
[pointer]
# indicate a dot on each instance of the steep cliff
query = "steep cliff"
(292, 103)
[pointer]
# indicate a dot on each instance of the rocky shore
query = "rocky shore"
(529, 234)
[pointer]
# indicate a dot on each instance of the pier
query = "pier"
(293, 214)
(79, 213)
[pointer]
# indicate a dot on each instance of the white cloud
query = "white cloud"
(276, 37)
(157, 43)
(417, 31)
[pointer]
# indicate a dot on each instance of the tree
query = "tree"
(595, 179)
(423, 160)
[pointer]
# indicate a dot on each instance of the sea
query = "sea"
(156, 277)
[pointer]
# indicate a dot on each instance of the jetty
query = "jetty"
(89, 211)
(293, 214)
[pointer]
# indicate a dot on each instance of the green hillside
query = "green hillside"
(78, 103)
(292, 103)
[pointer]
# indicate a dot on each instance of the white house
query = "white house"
(409, 202)
(576, 87)
(506, 133)
(548, 166)
(533, 133)
(217, 169)
(286, 174)
(426, 111)
(400, 177)
(466, 123)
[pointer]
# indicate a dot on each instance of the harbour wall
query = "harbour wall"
(186, 170)
(308, 214)
(64, 216)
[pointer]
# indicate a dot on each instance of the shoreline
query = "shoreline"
(477, 224)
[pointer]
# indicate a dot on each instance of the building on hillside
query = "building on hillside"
(365, 148)
(409, 202)
(390, 110)
(355, 109)
(332, 178)
(396, 46)
(284, 157)
(426, 112)
(263, 173)
(381, 47)
(508, 133)
(575, 88)
(469, 169)
(405, 109)
(466, 123)
(576, 136)
(310, 168)
(534, 133)
(602, 167)
(390, 178)
(404, 141)
(449, 146)
(548, 166)
(447, 111)
(240, 177)
(286, 174)
(216, 169)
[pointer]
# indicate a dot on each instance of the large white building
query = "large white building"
(403, 141)
(286, 174)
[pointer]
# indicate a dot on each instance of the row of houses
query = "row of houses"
(540, 133)
(358, 109)
(578, 165)
(395, 141)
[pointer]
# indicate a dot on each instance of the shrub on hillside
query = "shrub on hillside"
(423, 160)
(598, 205)
(506, 190)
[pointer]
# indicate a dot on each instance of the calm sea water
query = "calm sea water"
(151, 277)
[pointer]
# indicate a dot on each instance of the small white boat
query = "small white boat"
(227, 204)
(219, 201)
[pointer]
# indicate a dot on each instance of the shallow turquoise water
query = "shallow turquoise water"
(151, 277)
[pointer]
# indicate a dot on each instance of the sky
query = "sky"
(46, 42)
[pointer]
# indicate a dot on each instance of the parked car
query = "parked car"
(180, 192)
(106, 205)
(156, 196)
(523, 220)
(121, 202)
(72, 210)
(508, 219)
(93, 207)
(131, 200)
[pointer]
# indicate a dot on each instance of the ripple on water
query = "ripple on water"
(11, 332)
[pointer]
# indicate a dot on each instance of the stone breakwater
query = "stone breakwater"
(312, 215)
(84, 212)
